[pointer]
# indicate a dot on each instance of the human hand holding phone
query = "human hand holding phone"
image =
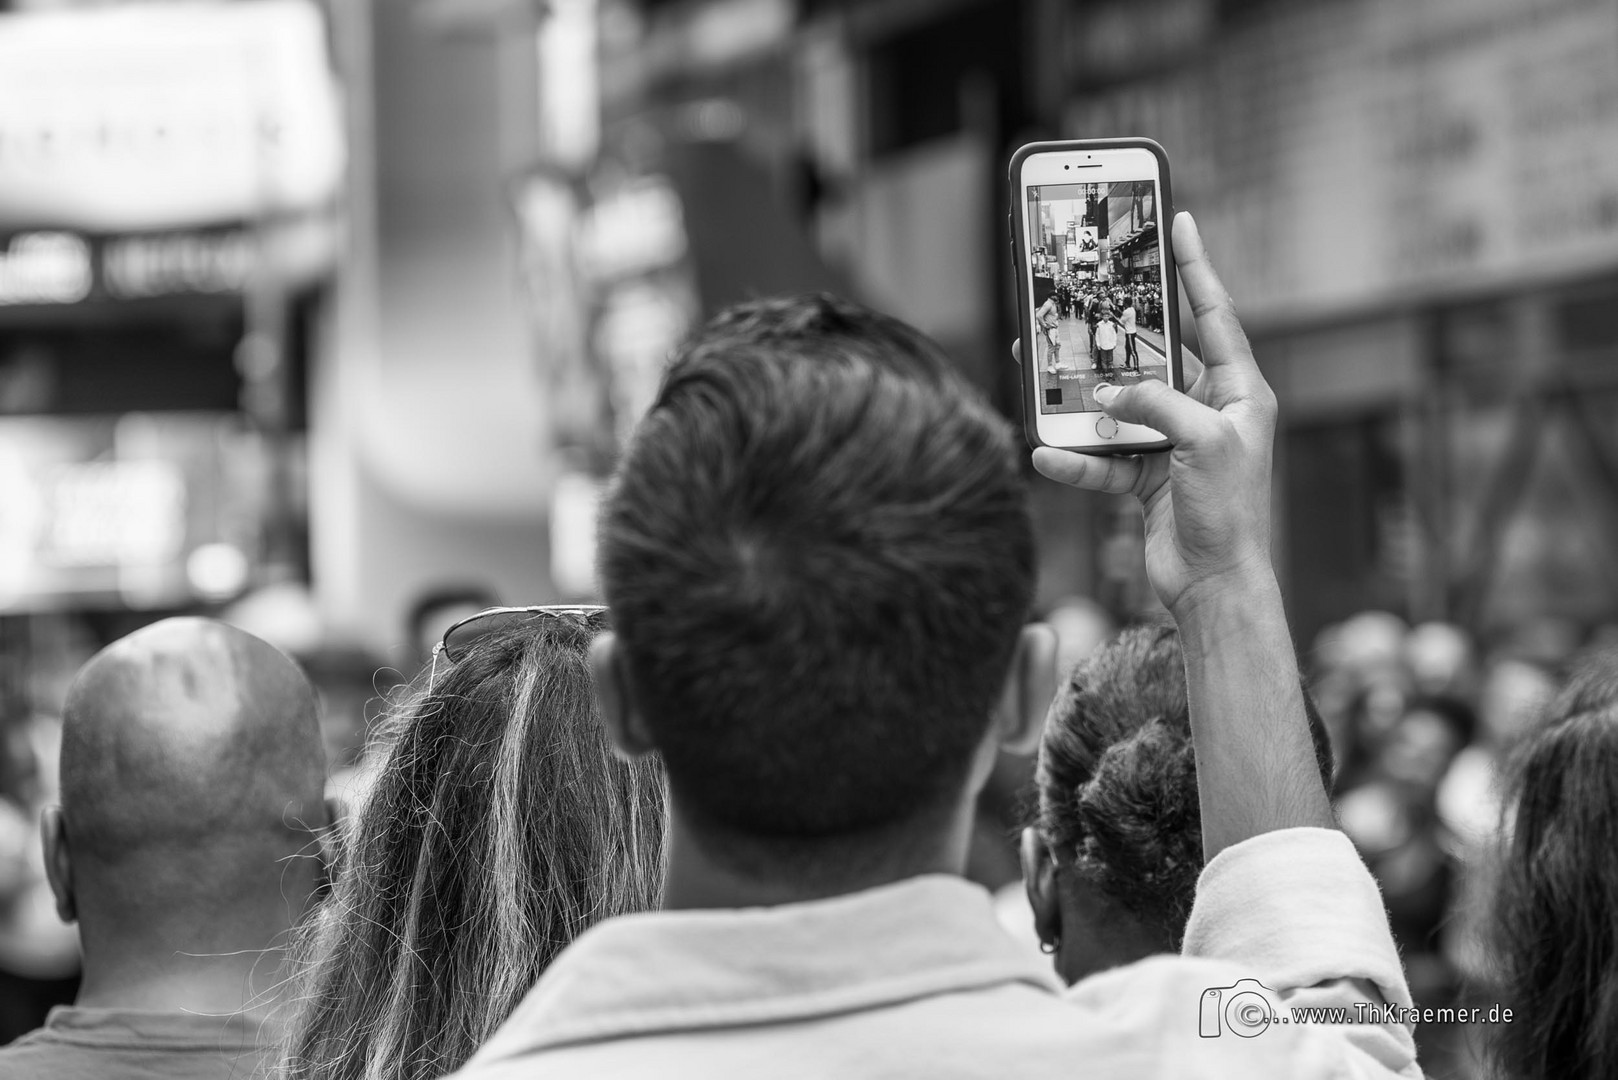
(1207, 501)
(1089, 222)
(1207, 509)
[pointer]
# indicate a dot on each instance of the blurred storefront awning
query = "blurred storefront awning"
(41, 269)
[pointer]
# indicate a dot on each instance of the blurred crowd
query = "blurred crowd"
(1424, 721)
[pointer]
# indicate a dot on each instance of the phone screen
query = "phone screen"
(1098, 295)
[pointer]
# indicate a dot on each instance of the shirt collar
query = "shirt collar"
(685, 970)
(152, 1029)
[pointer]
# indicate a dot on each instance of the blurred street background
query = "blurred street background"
(331, 318)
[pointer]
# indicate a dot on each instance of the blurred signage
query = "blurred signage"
(637, 228)
(112, 513)
(45, 268)
(1123, 38)
(58, 267)
(163, 115)
(117, 510)
(1350, 154)
(719, 33)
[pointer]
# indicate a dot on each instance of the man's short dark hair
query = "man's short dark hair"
(1117, 777)
(818, 555)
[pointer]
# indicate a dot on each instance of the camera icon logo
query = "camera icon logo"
(1243, 1009)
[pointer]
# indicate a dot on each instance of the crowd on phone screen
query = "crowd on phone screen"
(720, 831)
(1075, 297)
(1112, 313)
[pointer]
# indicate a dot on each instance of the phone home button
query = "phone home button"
(1107, 428)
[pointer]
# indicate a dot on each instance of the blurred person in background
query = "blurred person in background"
(1082, 626)
(497, 828)
(185, 849)
(39, 954)
(819, 558)
(1440, 658)
(1552, 935)
(352, 686)
(1512, 702)
(1391, 814)
(1362, 686)
(1112, 860)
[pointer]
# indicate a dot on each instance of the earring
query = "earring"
(1049, 947)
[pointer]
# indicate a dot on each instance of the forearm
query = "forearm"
(1256, 767)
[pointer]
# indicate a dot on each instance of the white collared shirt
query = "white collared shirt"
(916, 979)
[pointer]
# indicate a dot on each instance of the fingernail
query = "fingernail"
(1105, 392)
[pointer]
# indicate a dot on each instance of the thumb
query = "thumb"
(1154, 404)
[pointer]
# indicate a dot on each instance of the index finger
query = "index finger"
(1224, 343)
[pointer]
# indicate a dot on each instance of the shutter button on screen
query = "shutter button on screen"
(1107, 428)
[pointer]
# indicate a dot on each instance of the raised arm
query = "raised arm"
(1207, 507)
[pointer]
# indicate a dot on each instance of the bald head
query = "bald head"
(192, 776)
(187, 737)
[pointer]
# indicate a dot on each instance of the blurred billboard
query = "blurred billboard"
(152, 116)
(146, 510)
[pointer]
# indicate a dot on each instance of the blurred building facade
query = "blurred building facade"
(379, 312)
(1415, 206)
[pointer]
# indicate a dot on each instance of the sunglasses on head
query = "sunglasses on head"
(461, 634)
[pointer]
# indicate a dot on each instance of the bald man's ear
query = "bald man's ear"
(58, 862)
(1030, 688)
(626, 727)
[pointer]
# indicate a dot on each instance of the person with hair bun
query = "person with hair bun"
(1112, 857)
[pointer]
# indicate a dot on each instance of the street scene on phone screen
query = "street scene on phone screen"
(1097, 289)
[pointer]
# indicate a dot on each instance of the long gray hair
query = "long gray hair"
(499, 828)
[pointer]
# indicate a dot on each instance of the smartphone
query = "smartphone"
(1097, 297)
